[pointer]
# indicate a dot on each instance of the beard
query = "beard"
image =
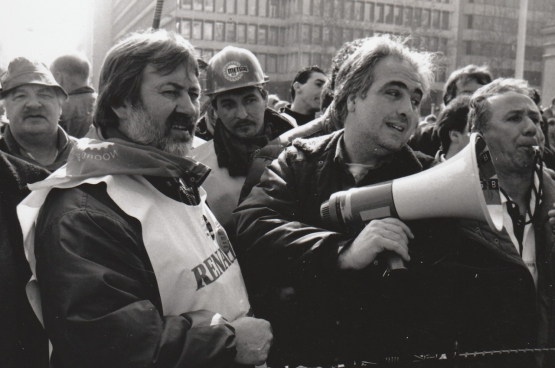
(142, 129)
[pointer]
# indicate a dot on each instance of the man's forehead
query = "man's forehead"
(393, 70)
(239, 93)
(184, 73)
(34, 87)
(318, 75)
(509, 100)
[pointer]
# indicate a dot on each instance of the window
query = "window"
(347, 35)
(379, 13)
(424, 43)
(252, 7)
(417, 19)
(468, 47)
(338, 36)
(262, 35)
(197, 30)
(317, 35)
(359, 11)
(305, 59)
(273, 9)
(273, 36)
(443, 46)
(220, 6)
(326, 36)
(369, 12)
(433, 45)
(197, 5)
(328, 8)
(251, 34)
(219, 34)
(186, 28)
(445, 20)
(208, 5)
(348, 10)
(281, 36)
(305, 30)
(435, 19)
(207, 54)
(317, 8)
(306, 7)
(470, 21)
(230, 32)
(271, 63)
(242, 7)
(230, 6)
(187, 4)
(208, 31)
(282, 64)
(398, 15)
(357, 33)
(389, 14)
(425, 18)
(262, 59)
(408, 16)
(316, 58)
(241, 33)
(338, 9)
(263, 8)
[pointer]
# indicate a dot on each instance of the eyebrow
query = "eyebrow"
(321, 80)
(523, 111)
(402, 86)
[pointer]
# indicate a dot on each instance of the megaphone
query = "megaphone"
(464, 187)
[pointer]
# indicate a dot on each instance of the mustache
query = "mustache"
(178, 118)
(32, 112)
(245, 122)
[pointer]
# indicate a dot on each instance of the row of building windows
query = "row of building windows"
(501, 24)
(308, 34)
(541, 5)
(364, 11)
(501, 50)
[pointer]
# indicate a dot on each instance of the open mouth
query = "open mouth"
(397, 127)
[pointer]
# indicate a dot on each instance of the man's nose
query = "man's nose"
(530, 128)
(33, 102)
(187, 106)
(242, 112)
(406, 109)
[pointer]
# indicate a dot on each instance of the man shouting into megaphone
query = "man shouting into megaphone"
(320, 288)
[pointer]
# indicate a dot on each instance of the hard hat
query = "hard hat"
(233, 68)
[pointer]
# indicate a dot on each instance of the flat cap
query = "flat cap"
(23, 71)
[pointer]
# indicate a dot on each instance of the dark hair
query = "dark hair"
(121, 75)
(303, 76)
(480, 112)
(453, 117)
(72, 64)
(481, 74)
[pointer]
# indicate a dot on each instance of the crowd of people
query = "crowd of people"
(160, 223)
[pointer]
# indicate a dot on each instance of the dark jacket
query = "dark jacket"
(319, 314)
(86, 242)
(77, 111)
(64, 144)
(23, 342)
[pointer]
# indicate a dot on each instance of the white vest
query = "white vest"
(194, 263)
(223, 190)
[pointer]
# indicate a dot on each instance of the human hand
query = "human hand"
(253, 340)
(551, 215)
(378, 236)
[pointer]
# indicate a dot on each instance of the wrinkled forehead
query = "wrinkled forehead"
(184, 73)
(509, 101)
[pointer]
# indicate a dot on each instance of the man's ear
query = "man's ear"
(454, 136)
(351, 105)
(122, 111)
(297, 87)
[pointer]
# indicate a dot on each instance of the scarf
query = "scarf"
(237, 154)
(94, 156)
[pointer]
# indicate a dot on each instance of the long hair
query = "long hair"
(356, 75)
(121, 76)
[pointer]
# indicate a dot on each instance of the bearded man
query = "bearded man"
(131, 267)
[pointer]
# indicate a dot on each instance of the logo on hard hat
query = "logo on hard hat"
(233, 71)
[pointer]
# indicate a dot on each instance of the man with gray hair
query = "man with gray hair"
(131, 267)
(73, 73)
(320, 287)
(498, 287)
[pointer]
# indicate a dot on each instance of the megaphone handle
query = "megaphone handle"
(394, 261)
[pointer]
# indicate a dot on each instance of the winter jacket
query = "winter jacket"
(320, 315)
(102, 301)
(23, 342)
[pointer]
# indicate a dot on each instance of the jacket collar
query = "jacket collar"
(62, 140)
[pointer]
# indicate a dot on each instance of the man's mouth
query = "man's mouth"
(185, 128)
(37, 116)
(395, 126)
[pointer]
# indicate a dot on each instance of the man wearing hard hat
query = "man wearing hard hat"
(235, 83)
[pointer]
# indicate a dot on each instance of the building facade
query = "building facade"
(287, 35)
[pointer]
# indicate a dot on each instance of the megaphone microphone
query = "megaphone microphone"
(464, 187)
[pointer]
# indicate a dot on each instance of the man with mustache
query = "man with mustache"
(33, 101)
(319, 288)
(131, 267)
(235, 84)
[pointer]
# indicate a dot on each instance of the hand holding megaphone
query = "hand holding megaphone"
(384, 235)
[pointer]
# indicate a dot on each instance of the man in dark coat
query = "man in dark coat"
(23, 342)
(322, 288)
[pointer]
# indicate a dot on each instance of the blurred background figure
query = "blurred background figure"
(306, 90)
(72, 72)
(452, 128)
(272, 101)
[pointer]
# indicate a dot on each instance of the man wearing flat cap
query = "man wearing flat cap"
(33, 101)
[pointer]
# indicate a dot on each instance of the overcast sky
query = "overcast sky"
(43, 29)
